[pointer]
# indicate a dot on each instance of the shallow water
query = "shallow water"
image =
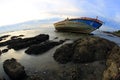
(45, 61)
(107, 36)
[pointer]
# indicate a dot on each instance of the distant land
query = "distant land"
(109, 25)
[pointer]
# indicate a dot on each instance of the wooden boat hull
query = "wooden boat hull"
(70, 26)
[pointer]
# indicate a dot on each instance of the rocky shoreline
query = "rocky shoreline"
(116, 33)
(93, 58)
(86, 51)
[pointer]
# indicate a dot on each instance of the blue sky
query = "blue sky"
(15, 11)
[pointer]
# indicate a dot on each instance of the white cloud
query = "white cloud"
(117, 18)
(15, 11)
(60, 8)
(107, 28)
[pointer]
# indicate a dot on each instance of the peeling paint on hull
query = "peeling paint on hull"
(82, 25)
(74, 27)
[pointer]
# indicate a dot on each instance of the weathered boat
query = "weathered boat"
(82, 25)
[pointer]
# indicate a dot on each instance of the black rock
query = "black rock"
(42, 47)
(64, 54)
(4, 37)
(23, 43)
(18, 44)
(16, 37)
(1, 78)
(0, 52)
(91, 49)
(5, 50)
(34, 77)
(56, 38)
(84, 50)
(44, 75)
(21, 35)
(1, 39)
(14, 69)
(112, 71)
(70, 72)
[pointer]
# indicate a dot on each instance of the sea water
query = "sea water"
(45, 61)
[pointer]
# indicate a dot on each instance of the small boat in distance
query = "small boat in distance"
(81, 25)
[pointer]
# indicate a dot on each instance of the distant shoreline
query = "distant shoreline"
(116, 33)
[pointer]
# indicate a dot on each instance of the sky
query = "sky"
(16, 11)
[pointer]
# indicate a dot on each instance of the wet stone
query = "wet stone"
(14, 69)
(5, 50)
(42, 47)
(63, 54)
(84, 50)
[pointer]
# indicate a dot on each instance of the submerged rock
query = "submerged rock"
(4, 37)
(1, 78)
(16, 37)
(93, 70)
(34, 77)
(44, 75)
(42, 47)
(72, 72)
(5, 50)
(64, 53)
(18, 44)
(88, 71)
(56, 38)
(14, 69)
(0, 39)
(0, 52)
(23, 43)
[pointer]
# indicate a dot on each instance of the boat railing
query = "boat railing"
(87, 18)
